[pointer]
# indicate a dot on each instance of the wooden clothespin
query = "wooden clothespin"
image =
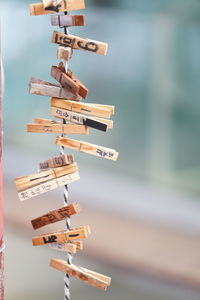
(37, 9)
(59, 161)
(88, 148)
(69, 247)
(48, 186)
(57, 128)
(56, 215)
(74, 86)
(64, 247)
(60, 237)
(81, 108)
(67, 20)
(44, 88)
(76, 42)
(25, 182)
(79, 119)
(64, 53)
(97, 280)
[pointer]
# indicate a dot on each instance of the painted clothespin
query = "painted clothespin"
(57, 128)
(61, 237)
(74, 86)
(56, 215)
(37, 9)
(76, 42)
(84, 108)
(87, 148)
(77, 118)
(69, 247)
(25, 182)
(44, 88)
(48, 186)
(67, 20)
(59, 161)
(95, 279)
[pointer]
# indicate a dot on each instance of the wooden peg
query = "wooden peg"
(88, 148)
(56, 216)
(67, 20)
(45, 88)
(59, 237)
(79, 244)
(71, 247)
(79, 118)
(25, 182)
(59, 161)
(64, 247)
(81, 273)
(64, 80)
(48, 186)
(83, 91)
(37, 9)
(76, 42)
(64, 53)
(58, 128)
(81, 108)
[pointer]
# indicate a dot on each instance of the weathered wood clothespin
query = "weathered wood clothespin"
(25, 182)
(84, 108)
(67, 20)
(44, 88)
(61, 237)
(76, 42)
(56, 215)
(48, 186)
(70, 247)
(37, 9)
(77, 118)
(97, 280)
(73, 85)
(88, 148)
(59, 161)
(53, 127)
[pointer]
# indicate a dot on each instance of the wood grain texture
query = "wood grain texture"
(28, 181)
(83, 108)
(78, 118)
(67, 20)
(60, 237)
(64, 53)
(80, 273)
(48, 186)
(76, 42)
(58, 161)
(65, 80)
(58, 128)
(64, 247)
(88, 148)
(44, 88)
(56, 215)
(37, 9)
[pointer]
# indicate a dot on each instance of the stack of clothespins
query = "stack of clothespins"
(74, 117)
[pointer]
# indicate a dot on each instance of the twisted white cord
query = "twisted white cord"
(68, 221)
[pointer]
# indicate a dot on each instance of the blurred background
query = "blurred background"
(144, 209)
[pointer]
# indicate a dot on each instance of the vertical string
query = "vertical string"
(66, 202)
